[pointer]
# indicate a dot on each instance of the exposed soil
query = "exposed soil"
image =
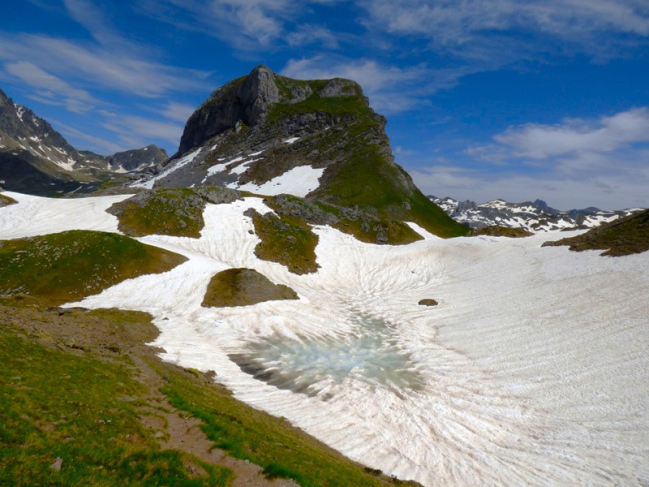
(80, 332)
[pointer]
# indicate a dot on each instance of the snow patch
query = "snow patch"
(292, 140)
(298, 181)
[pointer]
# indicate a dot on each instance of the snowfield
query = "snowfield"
(533, 369)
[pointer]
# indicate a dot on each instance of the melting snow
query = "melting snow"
(292, 140)
(34, 215)
(298, 181)
(533, 369)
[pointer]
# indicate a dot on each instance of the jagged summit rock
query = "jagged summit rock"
(249, 99)
(36, 159)
(317, 139)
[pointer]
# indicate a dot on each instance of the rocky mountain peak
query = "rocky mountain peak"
(258, 92)
(317, 139)
(246, 100)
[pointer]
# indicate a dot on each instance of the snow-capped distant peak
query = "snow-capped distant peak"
(534, 216)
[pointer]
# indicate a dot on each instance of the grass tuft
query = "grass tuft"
(286, 240)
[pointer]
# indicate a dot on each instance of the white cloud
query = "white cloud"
(91, 142)
(575, 136)
(576, 163)
(390, 88)
(178, 111)
(622, 190)
(50, 88)
(98, 66)
(312, 34)
(465, 28)
(139, 131)
(246, 24)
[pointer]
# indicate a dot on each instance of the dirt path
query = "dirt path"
(178, 431)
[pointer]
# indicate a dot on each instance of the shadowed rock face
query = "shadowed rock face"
(244, 100)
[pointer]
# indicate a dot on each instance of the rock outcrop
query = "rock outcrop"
(318, 139)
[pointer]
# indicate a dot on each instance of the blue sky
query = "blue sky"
(485, 99)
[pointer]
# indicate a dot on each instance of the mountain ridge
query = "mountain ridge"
(532, 216)
(36, 159)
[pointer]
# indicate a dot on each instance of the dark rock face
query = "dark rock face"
(146, 157)
(258, 128)
(243, 100)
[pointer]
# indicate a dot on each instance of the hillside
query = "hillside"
(391, 355)
(627, 236)
(36, 159)
(268, 134)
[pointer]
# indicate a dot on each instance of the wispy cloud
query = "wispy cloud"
(390, 88)
(135, 131)
(50, 88)
(464, 28)
(314, 34)
(178, 111)
(91, 65)
(245, 24)
(578, 162)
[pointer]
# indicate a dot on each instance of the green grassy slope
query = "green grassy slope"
(626, 236)
(366, 176)
(70, 265)
(79, 386)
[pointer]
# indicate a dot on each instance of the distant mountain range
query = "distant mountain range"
(36, 159)
(534, 216)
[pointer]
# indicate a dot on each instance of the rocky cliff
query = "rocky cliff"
(317, 139)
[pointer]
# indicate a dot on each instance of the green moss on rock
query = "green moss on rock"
(176, 212)
(244, 287)
(6, 201)
(286, 240)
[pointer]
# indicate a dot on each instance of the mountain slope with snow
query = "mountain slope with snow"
(534, 216)
(317, 139)
(532, 370)
(35, 158)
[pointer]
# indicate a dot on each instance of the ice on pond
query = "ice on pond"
(314, 366)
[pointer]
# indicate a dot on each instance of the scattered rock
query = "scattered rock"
(58, 463)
